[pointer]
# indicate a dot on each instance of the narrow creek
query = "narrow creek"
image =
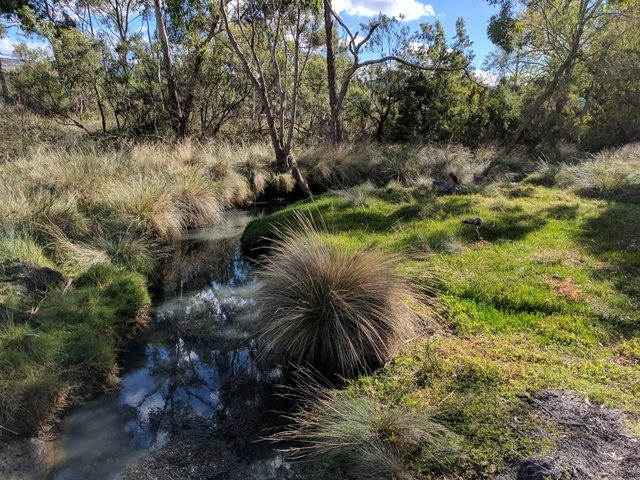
(192, 400)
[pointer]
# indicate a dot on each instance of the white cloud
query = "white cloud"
(7, 45)
(411, 9)
(486, 77)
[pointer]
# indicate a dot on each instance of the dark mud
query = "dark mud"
(26, 459)
(592, 442)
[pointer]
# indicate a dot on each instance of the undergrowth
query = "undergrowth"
(68, 351)
(544, 294)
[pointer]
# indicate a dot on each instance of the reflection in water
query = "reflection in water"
(188, 374)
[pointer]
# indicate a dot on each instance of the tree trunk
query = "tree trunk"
(585, 15)
(335, 133)
(533, 111)
(3, 85)
(286, 163)
(175, 109)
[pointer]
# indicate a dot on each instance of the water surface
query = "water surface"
(188, 376)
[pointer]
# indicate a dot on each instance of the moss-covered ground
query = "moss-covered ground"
(544, 295)
(66, 349)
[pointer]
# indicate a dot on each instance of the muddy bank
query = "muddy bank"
(592, 443)
(26, 459)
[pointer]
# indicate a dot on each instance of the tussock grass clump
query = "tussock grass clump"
(328, 167)
(357, 195)
(406, 164)
(147, 201)
(199, 200)
(76, 253)
(545, 173)
(508, 167)
(282, 183)
(351, 435)
(337, 311)
(609, 174)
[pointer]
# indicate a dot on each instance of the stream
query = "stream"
(192, 402)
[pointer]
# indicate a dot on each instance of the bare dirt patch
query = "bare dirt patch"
(26, 459)
(592, 443)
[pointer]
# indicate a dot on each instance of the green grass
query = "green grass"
(68, 351)
(546, 298)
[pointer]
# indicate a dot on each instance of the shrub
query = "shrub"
(340, 312)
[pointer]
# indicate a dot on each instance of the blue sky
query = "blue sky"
(476, 14)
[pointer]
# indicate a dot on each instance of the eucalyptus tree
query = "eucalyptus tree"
(274, 40)
(3, 82)
(560, 34)
(385, 37)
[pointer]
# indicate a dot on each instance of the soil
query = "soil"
(592, 443)
(25, 282)
(26, 459)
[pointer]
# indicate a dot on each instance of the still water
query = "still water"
(189, 377)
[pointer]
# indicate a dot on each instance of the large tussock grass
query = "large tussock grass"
(340, 312)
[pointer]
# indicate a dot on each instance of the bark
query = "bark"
(175, 108)
(335, 133)
(3, 85)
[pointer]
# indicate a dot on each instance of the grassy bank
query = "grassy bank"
(66, 352)
(544, 295)
(83, 228)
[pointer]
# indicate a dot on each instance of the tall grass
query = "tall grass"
(326, 167)
(351, 435)
(607, 174)
(357, 195)
(337, 311)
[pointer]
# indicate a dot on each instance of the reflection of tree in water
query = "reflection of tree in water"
(195, 263)
(198, 353)
(181, 388)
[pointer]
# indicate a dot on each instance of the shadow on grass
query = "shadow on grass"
(563, 212)
(625, 194)
(511, 225)
(613, 238)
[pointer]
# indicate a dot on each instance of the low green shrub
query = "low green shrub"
(72, 354)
